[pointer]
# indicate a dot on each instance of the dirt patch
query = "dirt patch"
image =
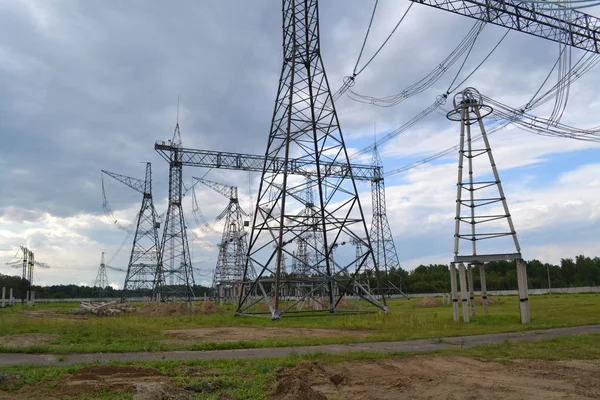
(52, 315)
(429, 302)
(177, 309)
(160, 391)
(208, 307)
(108, 377)
(438, 378)
(164, 310)
(27, 339)
(490, 301)
(191, 336)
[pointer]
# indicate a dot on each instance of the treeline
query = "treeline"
(502, 275)
(71, 291)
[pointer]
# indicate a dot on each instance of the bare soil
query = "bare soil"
(447, 378)
(191, 336)
(176, 309)
(52, 315)
(27, 339)
(490, 301)
(146, 383)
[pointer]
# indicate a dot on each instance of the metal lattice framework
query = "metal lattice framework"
(256, 163)
(579, 30)
(233, 247)
(304, 127)
(384, 247)
(101, 281)
(175, 257)
(144, 272)
(481, 208)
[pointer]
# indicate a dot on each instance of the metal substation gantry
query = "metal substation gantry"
(482, 219)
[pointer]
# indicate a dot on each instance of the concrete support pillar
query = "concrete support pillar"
(11, 299)
(3, 296)
(220, 293)
(484, 299)
(454, 291)
(471, 289)
(464, 293)
(523, 291)
(32, 298)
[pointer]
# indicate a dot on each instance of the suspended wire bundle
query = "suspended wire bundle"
(504, 115)
(465, 46)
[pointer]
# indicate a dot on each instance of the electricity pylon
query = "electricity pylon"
(144, 272)
(481, 210)
(304, 126)
(384, 248)
(175, 252)
(233, 247)
(311, 239)
(101, 281)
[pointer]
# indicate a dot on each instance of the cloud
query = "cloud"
(90, 87)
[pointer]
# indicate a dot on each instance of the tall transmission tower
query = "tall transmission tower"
(304, 126)
(311, 239)
(233, 247)
(144, 273)
(175, 252)
(101, 281)
(481, 209)
(382, 239)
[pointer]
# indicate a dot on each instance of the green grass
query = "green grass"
(136, 332)
(251, 379)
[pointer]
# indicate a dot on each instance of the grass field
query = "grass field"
(252, 379)
(136, 332)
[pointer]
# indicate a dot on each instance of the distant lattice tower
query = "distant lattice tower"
(382, 239)
(483, 220)
(304, 126)
(101, 281)
(144, 275)
(233, 247)
(175, 252)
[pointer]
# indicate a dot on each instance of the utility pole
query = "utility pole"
(305, 126)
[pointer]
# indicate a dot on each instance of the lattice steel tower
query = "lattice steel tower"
(304, 127)
(144, 273)
(101, 281)
(175, 252)
(381, 233)
(233, 247)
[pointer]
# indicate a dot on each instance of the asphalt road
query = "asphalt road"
(408, 346)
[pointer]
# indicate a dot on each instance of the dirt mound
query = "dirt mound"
(429, 302)
(344, 304)
(107, 377)
(164, 310)
(208, 307)
(490, 301)
(291, 383)
(27, 339)
(426, 377)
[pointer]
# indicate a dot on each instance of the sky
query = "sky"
(86, 86)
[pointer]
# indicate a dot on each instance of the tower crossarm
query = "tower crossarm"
(229, 192)
(251, 162)
(569, 27)
(136, 184)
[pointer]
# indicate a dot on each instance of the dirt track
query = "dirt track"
(439, 378)
(409, 346)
